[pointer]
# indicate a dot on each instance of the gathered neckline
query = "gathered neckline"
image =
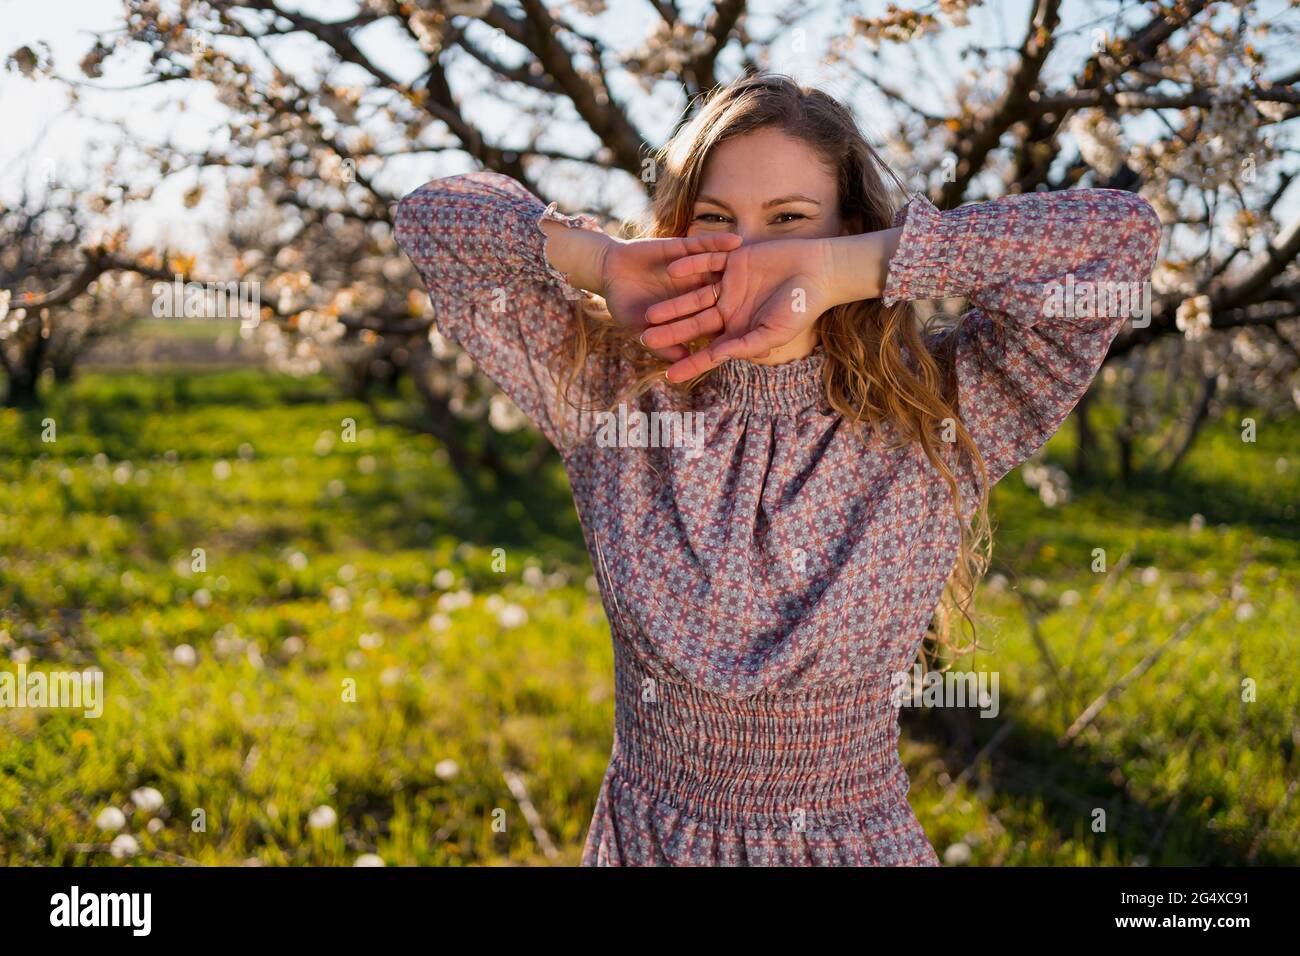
(786, 388)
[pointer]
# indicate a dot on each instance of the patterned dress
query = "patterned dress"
(764, 586)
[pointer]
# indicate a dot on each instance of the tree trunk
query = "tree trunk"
(21, 392)
(25, 370)
(1199, 415)
(64, 369)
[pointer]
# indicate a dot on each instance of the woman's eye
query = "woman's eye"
(780, 218)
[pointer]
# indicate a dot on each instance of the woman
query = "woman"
(764, 589)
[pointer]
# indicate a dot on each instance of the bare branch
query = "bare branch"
(597, 107)
(973, 148)
(1144, 100)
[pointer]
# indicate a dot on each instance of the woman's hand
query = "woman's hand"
(770, 293)
(634, 275)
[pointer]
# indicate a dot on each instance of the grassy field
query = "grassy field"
(348, 645)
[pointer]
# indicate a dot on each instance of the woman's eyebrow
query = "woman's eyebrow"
(793, 197)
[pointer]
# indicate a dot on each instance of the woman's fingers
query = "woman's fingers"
(671, 353)
(697, 300)
(756, 343)
(683, 330)
(716, 242)
(691, 366)
(689, 265)
(701, 280)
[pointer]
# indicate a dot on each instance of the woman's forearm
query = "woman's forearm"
(576, 252)
(859, 265)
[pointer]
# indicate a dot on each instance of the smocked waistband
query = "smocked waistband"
(805, 760)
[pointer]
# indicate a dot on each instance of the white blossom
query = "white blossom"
(111, 819)
(322, 818)
(1193, 317)
(147, 799)
(123, 846)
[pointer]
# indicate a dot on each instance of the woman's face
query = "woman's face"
(767, 185)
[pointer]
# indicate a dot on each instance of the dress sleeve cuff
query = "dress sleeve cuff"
(918, 269)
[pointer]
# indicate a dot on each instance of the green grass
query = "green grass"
(200, 329)
(333, 565)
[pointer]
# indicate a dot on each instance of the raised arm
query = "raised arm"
(477, 242)
(1052, 277)
(503, 271)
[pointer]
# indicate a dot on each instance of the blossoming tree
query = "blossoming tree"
(333, 119)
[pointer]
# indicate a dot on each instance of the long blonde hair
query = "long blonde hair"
(879, 368)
